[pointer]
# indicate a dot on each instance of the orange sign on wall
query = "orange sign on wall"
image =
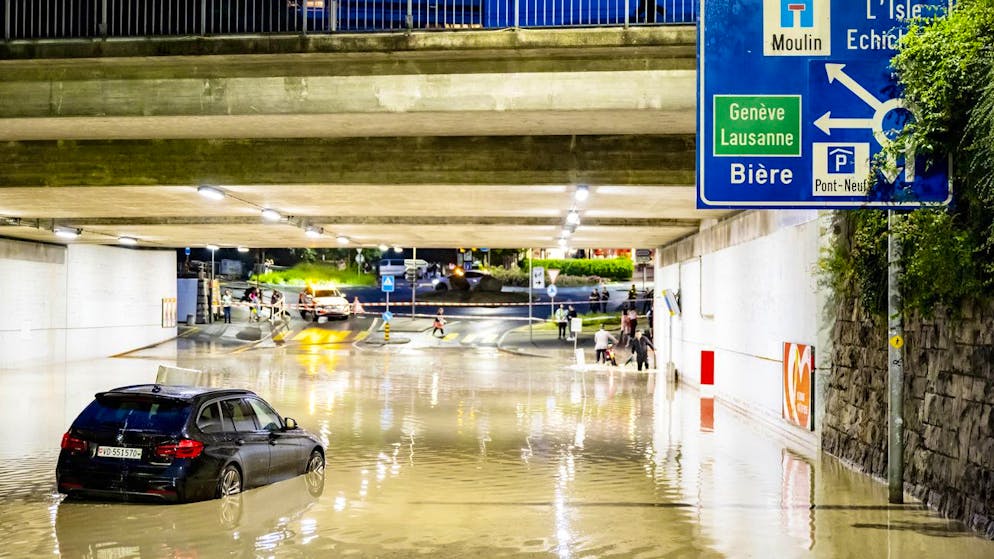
(798, 384)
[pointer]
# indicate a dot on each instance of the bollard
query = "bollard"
(386, 333)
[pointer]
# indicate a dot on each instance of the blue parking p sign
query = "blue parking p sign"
(797, 102)
(387, 284)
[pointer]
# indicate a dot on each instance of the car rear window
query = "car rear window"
(142, 414)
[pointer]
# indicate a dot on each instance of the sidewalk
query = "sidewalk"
(545, 342)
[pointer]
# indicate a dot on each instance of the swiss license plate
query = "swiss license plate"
(119, 452)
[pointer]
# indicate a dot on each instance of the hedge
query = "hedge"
(619, 269)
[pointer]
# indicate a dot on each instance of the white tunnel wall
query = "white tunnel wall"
(745, 288)
(81, 301)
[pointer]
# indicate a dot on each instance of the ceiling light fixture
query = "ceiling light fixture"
(384, 248)
(243, 249)
(130, 241)
(563, 243)
(67, 232)
(313, 232)
(210, 192)
(212, 248)
(582, 193)
(342, 240)
(573, 217)
(398, 249)
(271, 215)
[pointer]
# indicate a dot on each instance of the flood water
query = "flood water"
(473, 453)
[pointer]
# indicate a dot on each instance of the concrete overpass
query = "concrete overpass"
(424, 139)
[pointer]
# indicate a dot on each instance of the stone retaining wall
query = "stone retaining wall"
(949, 391)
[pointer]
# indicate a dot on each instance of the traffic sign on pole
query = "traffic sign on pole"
(538, 277)
(387, 284)
(551, 291)
(797, 101)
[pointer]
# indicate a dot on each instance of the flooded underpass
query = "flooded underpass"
(462, 453)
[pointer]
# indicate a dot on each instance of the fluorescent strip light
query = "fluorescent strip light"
(67, 232)
(271, 215)
(210, 192)
(130, 241)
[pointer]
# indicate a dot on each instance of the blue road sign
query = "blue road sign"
(387, 316)
(796, 99)
(551, 290)
(187, 251)
(387, 284)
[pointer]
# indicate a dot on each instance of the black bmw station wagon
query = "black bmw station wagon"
(181, 443)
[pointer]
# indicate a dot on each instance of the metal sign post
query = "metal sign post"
(387, 285)
(530, 283)
(895, 358)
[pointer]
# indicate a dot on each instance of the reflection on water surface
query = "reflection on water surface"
(463, 453)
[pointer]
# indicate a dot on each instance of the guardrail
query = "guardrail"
(71, 19)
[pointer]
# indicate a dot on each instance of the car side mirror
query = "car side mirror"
(290, 423)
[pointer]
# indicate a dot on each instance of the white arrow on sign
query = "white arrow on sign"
(826, 123)
(835, 72)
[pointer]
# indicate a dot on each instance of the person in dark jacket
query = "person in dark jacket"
(640, 346)
(595, 301)
(570, 315)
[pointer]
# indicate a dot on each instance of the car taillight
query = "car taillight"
(72, 444)
(186, 448)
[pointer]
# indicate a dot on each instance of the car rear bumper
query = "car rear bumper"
(134, 486)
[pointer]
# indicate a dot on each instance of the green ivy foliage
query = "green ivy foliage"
(946, 69)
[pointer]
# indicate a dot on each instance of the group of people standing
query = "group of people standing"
(563, 318)
(599, 299)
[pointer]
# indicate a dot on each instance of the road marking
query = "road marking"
(361, 336)
(469, 338)
(450, 337)
(489, 338)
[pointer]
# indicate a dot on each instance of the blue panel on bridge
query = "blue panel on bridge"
(796, 99)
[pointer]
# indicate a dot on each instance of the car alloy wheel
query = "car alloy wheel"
(230, 482)
(315, 463)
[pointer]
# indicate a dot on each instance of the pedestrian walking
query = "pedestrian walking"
(646, 300)
(640, 346)
(602, 340)
(253, 301)
(439, 324)
(226, 305)
(570, 315)
(633, 321)
(625, 323)
(604, 298)
(357, 308)
(633, 294)
(560, 318)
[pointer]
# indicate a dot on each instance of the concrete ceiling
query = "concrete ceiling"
(357, 146)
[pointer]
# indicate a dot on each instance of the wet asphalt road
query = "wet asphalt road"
(465, 453)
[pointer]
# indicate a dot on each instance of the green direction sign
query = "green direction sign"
(757, 125)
